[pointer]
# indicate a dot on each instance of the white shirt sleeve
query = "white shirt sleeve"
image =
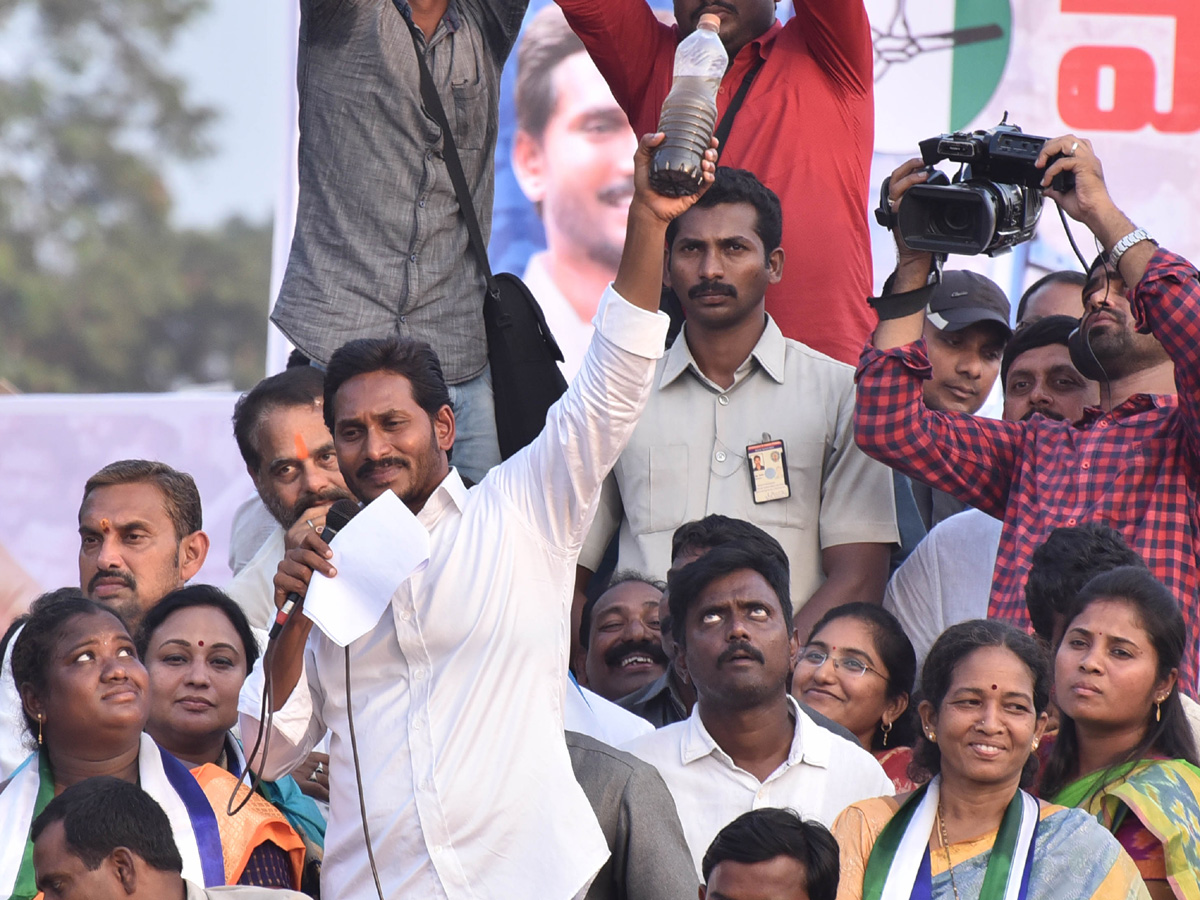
(296, 727)
(555, 481)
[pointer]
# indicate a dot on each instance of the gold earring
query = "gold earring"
(933, 737)
(1157, 710)
(1035, 744)
(886, 727)
(39, 718)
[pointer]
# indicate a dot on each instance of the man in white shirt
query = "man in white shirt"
(747, 743)
(281, 433)
(458, 691)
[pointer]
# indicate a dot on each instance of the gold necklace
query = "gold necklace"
(941, 820)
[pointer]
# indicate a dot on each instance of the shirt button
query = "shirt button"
(418, 725)
(413, 258)
(405, 616)
(426, 784)
(429, 154)
(720, 456)
(723, 400)
(421, 203)
(1086, 465)
(420, 674)
(1071, 523)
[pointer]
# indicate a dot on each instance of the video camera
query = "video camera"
(994, 201)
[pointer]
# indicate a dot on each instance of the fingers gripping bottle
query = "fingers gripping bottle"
(689, 114)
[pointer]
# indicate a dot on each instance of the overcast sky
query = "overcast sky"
(235, 59)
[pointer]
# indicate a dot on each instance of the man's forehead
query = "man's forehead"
(740, 584)
(629, 595)
(280, 427)
(373, 392)
(121, 503)
(1038, 358)
(722, 221)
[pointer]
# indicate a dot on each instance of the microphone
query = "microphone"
(336, 519)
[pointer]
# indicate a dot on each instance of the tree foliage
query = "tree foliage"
(98, 291)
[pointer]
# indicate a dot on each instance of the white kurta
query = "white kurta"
(458, 691)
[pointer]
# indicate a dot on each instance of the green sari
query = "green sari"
(1164, 795)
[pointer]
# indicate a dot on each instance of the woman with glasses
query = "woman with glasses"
(971, 832)
(857, 668)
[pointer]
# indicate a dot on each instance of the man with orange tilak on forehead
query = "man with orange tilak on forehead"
(140, 537)
(288, 450)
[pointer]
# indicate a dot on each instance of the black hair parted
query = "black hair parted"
(741, 186)
(897, 655)
(1167, 732)
(953, 646)
(104, 813)
(764, 834)
(685, 585)
(33, 647)
(413, 359)
(198, 595)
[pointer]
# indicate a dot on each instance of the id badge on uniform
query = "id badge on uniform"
(768, 468)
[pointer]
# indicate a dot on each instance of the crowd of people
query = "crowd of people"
(744, 620)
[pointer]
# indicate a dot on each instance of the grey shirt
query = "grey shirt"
(650, 858)
(380, 246)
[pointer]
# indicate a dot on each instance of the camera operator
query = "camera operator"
(1132, 463)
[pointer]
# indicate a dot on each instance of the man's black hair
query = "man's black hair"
(1067, 276)
(413, 359)
(1067, 560)
(764, 834)
(739, 186)
(702, 535)
(1042, 333)
(104, 813)
(297, 386)
(685, 585)
(623, 577)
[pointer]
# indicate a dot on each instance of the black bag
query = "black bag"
(524, 357)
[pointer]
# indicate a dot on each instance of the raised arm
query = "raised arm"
(1166, 294)
(838, 34)
(970, 457)
(555, 482)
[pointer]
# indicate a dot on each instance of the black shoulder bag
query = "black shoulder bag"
(523, 354)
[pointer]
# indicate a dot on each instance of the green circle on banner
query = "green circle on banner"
(983, 36)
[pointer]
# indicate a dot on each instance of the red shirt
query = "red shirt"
(1136, 469)
(806, 129)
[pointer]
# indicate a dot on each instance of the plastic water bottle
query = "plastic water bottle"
(689, 114)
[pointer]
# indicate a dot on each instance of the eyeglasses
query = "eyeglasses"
(848, 664)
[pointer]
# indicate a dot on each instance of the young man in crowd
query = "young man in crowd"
(948, 577)
(771, 853)
(1133, 463)
(805, 128)
(731, 390)
(747, 743)
(468, 663)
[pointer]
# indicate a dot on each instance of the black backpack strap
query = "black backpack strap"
(723, 129)
(433, 106)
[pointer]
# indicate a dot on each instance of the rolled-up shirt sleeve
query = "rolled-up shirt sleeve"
(296, 727)
(969, 457)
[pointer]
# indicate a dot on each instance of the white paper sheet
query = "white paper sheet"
(381, 547)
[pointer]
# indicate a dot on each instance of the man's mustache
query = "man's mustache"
(126, 578)
(1048, 413)
(743, 647)
(372, 464)
(710, 288)
(651, 649)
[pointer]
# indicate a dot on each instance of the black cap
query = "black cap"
(964, 298)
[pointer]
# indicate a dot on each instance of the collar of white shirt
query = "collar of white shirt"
(811, 743)
(451, 492)
(770, 352)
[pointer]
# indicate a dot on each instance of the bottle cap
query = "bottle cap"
(710, 22)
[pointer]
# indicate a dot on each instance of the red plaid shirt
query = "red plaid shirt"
(1135, 469)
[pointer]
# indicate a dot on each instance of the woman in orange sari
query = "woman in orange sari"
(198, 648)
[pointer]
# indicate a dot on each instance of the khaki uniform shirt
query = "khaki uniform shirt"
(687, 460)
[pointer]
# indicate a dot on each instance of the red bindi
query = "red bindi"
(201, 643)
(993, 686)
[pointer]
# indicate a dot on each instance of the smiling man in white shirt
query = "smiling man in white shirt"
(458, 691)
(747, 744)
